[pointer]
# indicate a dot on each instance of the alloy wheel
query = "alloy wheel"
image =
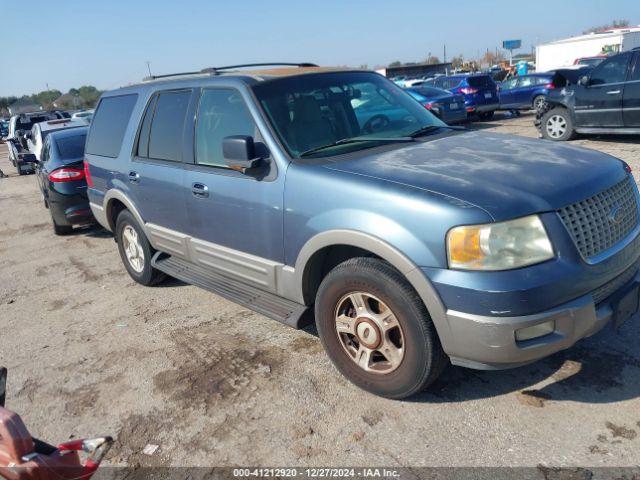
(133, 248)
(369, 332)
(556, 126)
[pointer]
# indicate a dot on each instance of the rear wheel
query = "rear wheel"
(538, 102)
(557, 125)
(376, 330)
(486, 115)
(135, 250)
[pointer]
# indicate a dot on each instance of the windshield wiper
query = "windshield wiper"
(432, 128)
(345, 141)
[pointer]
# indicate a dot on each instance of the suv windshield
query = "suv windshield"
(357, 109)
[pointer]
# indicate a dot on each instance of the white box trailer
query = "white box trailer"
(562, 53)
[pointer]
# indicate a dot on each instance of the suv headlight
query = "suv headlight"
(499, 246)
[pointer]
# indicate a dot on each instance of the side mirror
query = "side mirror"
(584, 81)
(239, 152)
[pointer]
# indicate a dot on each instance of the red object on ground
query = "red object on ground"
(24, 458)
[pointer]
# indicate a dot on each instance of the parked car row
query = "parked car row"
(51, 145)
(24, 135)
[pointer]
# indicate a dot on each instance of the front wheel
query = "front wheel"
(376, 330)
(135, 250)
(557, 125)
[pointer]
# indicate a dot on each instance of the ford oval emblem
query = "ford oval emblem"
(615, 215)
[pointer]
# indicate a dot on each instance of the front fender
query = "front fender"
(387, 252)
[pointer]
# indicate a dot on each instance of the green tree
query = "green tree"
(46, 98)
(395, 64)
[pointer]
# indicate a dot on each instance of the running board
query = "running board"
(270, 305)
(616, 131)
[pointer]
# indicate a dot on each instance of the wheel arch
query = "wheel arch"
(310, 269)
(116, 201)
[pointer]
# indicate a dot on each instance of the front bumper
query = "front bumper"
(483, 310)
(488, 343)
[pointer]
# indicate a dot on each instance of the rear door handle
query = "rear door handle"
(134, 177)
(200, 190)
(613, 92)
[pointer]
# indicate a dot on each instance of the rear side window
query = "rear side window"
(165, 135)
(109, 124)
(613, 70)
(482, 81)
(71, 147)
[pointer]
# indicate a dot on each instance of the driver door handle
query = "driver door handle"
(200, 190)
(613, 92)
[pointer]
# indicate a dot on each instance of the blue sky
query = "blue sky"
(106, 42)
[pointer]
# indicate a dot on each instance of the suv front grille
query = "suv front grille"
(590, 222)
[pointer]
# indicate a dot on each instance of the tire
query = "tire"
(384, 290)
(20, 171)
(538, 102)
(139, 266)
(486, 115)
(557, 125)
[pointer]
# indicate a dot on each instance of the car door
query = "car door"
(631, 96)
(155, 175)
(41, 173)
(522, 93)
(235, 218)
(506, 94)
(599, 103)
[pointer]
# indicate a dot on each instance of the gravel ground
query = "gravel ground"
(91, 352)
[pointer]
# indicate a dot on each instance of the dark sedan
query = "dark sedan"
(447, 106)
(62, 180)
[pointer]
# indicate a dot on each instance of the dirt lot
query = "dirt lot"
(91, 352)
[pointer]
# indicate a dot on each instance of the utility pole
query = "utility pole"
(444, 56)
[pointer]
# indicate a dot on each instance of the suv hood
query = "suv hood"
(505, 175)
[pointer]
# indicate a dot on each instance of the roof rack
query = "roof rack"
(217, 70)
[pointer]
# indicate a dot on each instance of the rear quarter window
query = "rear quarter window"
(109, 125)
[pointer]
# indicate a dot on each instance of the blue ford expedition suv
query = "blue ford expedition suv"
(415, 243)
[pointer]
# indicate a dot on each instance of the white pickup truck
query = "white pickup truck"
(19, 125)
